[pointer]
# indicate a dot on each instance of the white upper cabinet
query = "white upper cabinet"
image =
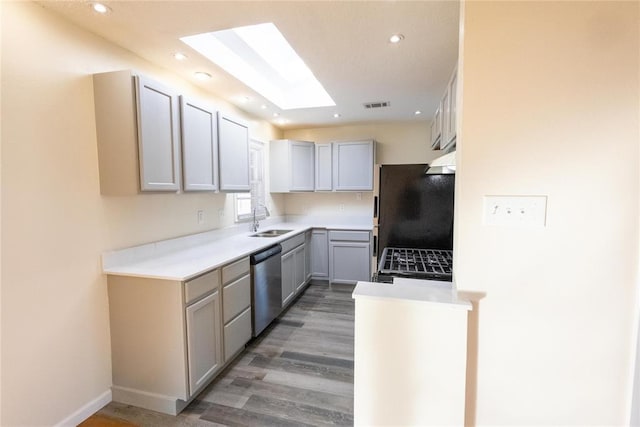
(292, 166)
(451, 109)
(199, 146)
(158, 136)
(443, 125)
(324, 175)
(436, 128)
(233, 140)
(353, 163)
(137, 129)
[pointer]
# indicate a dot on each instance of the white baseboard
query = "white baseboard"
(86, 411)
(153, 401)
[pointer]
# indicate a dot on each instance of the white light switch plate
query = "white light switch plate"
(527, 211)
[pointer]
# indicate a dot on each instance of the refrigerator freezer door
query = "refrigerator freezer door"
(415, 210)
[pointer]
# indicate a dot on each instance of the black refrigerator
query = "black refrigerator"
(412, 209)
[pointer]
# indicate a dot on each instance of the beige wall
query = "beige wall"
(55, 331)
(397, 142)
(551, 107)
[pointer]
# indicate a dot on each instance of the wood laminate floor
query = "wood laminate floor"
(298, 372)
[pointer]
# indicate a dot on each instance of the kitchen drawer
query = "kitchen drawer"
(291, 243)
(202, 285)
(352, 236)
(237, 333)
(236, 297)
(232, 271)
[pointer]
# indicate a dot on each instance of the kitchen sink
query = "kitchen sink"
(271, 233)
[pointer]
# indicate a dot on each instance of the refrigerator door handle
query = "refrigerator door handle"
(375, 246)
(375, 206)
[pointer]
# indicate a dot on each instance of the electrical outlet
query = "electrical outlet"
(220, 213)
(341, 207)
(200, 215)
(515, 211)
(358, 196)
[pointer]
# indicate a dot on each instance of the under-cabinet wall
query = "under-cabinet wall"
(54, 211)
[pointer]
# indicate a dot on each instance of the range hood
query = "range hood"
(442, 165)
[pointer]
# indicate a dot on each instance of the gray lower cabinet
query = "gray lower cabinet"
(288, 277)
(236, 302)
(319, 253)
(300, 276)
(349, 256)
(294, 270)
(203, 340)
(165, 339)
(307, 255)
(169, 338)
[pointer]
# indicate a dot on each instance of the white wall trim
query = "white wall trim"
(86, 411)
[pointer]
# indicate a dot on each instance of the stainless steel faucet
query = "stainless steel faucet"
(256, 224)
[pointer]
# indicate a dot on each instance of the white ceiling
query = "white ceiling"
(345, 43)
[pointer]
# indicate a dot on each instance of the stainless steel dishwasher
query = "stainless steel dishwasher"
(266, 287)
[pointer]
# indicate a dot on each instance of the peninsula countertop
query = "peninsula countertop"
(422, 291)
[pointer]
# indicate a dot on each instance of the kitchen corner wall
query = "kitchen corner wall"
(55, 224)
(550, 106)
(397, 142)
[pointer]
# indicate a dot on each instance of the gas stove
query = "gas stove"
(431, 264)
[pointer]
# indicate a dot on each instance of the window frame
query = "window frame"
(256, 185)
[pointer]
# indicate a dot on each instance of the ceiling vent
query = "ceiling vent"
(381, 104)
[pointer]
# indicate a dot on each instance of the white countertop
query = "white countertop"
(187, 257)
(425, 291)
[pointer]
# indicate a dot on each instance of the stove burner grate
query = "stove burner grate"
(416, 261)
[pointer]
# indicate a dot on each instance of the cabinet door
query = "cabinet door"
(204, 347)
(233, 142)
(436, 130)
(349, 262)
(300, 275)
(199, 146)
(307, 256)
(319, 254)
(324, 173)
(236, 334)
(450, 130)
(301, 159)
(158, 143)
(353, 165)
(288, 277)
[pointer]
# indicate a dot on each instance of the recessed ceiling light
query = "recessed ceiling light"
(418, 112)
(245, 99)
(260, 57)
(264, 107)
(336, 115)
(201, 75)
(100, 8)
(179, 56)
(276, 114)
(396, 38)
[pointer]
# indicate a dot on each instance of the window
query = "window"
(245, 202)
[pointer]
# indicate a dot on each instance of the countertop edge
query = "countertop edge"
(421, 293)
(207, 258)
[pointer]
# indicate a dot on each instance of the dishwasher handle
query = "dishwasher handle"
(267, 253)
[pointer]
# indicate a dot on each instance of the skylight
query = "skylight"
(260, 57)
